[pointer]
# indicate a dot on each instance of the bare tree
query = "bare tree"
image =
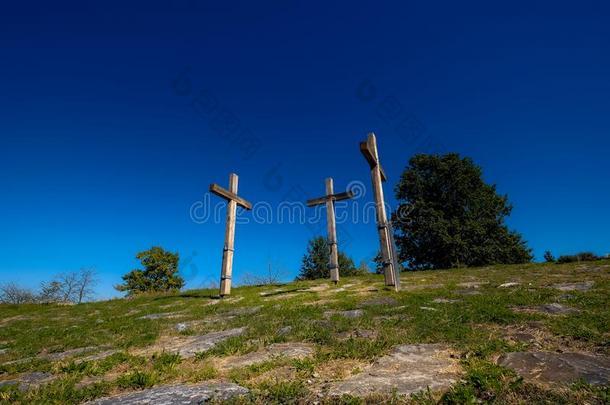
(69, 286)
(86, 281)
(73, 287)
(11, 293)
(66, 287)
(50, 292)
(273, 276)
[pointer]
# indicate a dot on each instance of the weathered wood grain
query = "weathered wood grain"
(329, 199)
(233, 200)
(228, 195)
(390, 268)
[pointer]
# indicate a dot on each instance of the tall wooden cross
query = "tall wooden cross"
(233, 200)
(329, 199)
(391, 270)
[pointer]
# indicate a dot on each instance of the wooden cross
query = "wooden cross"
(233, 200)
(329, 199)
(391, 270)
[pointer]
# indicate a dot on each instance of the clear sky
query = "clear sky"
(115, 117)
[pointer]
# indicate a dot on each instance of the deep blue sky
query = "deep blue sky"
(103, 150)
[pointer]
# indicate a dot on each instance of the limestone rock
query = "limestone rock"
(549, 367)
(197, 344)
(406, 370)
(18, 361)
(582, 286)
(242, 311)
(380, 301)
(444, 301)
(181, 327)
(354, 313)
(523, 337)
(358, 333)
(472, 284)
(548, 309)
(163, 315)
(508, 285)
(29, 380)
(177, 394)
(470, 291)
(292, 350)
(98, 356)
(69, 353)
(317, 288)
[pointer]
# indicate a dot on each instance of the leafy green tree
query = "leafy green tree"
(449, 217)
(378, 260)
(160, 273)
(315, 261)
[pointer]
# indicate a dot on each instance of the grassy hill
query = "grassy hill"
(324, 335)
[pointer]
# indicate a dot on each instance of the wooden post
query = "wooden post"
(329, 200)
(333, 262)
(388, 250)
(227, 254)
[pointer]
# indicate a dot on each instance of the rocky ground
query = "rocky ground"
(501, 334)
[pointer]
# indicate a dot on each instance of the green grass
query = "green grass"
(475, 326)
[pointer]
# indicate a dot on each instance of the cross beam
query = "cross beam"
(233, 200)
(369, 150)
(391, 269)
(227, 195)
(346, 195)
(329, 199)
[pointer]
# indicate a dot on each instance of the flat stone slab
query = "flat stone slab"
(444, 301)
(549, 367)
(318, 288)
(242, 311)
(380, 301)
(29, 380)
(548, 309)
(523, 337)
(177, 394)
(354, 313)
(470, 291)
(358, 333)
(98, 356)
(582, 286)
(164, 315)
(472, 284)
(406, 370)
(69, 353)
(414, 287)
(293, 350)
(19, 361)
(197, 344)
(509, 285)
(274, 292)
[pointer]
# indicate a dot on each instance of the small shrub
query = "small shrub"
(548, 257)
(579, 257)
(137, 379)
(283, 392)
(203, 373)
(304, 365)
(166, 361)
